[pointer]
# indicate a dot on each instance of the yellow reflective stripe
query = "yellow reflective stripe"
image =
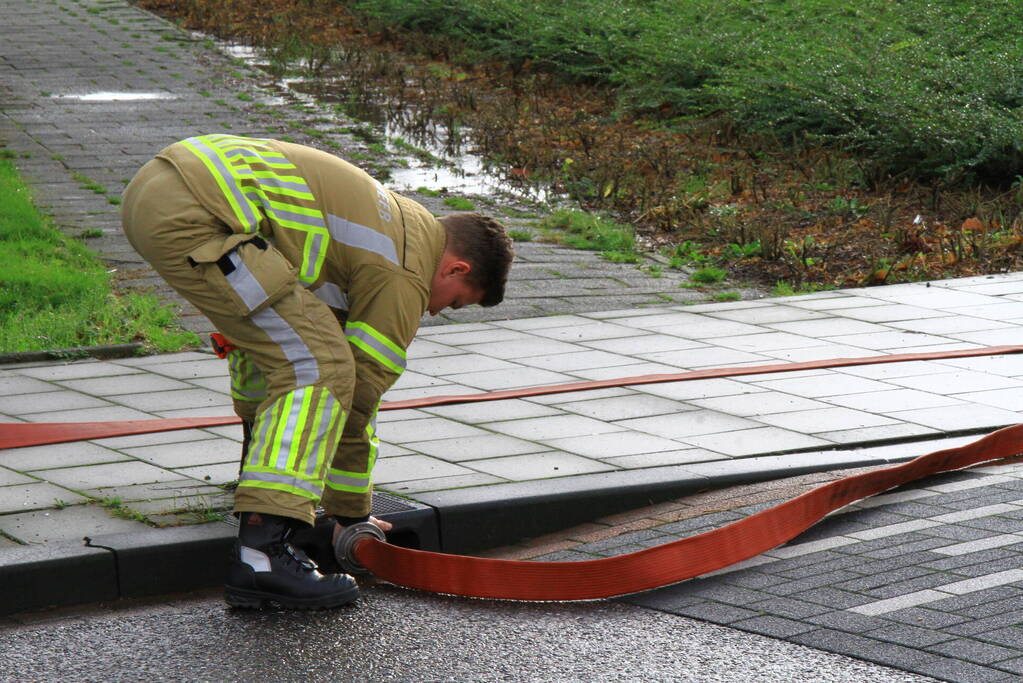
(296, 452)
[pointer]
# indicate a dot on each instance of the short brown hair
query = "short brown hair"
(483, 243)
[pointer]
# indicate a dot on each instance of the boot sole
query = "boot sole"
(252, 599)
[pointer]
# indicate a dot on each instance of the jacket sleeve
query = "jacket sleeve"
(384, 312)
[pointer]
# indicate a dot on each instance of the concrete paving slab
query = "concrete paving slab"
(49, 402)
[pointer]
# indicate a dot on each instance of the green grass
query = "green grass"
(459, 203)
(915, 86)
(55, 294)
(581, 230)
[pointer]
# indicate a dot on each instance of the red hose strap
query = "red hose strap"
(671, 562)
(41, 433)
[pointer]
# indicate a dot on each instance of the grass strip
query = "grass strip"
(56, 294)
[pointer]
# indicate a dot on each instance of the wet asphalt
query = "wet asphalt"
(396, 635)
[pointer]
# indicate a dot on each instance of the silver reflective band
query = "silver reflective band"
(277, 328)
(240, 200)
(244, 283)
(331, 294)
(377, 345)
(351, 482)
(354, 235)
(274, 478)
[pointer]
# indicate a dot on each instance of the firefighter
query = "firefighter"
(317, 277)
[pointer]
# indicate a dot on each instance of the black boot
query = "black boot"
(267, 566)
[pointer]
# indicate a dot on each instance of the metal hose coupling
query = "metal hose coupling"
(344, 545)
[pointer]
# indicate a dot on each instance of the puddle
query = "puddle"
(443, 164)
(117, 96)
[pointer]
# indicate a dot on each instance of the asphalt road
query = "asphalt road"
(397, 635)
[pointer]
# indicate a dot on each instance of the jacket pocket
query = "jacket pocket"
(248, 276)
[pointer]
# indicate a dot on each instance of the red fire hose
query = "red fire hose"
(592, 579)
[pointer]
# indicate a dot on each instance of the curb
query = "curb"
(149, 563)
(74, 353)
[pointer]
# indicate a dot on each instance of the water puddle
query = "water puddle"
(117, 96)
(432, 155)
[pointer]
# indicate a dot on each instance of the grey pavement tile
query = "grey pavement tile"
(949, 325)
(650, 343)
(973, 627)
(1009, 399)
(440, 483)
(440, 332)
(777, 627)
(124, 384)
(112, 413)
(38, 495)
(872, 434)
(862, 647)
(421, 348)
(766, 341)
(710, 328)
(1000, 310)
(12, 384)
(539, 466)
(427, 430)
(214, 473)
(824, 420)
(579, 360)
(909, 368)
(912, 636)
(746, 442)
(67, 524)
(521, 348)
(693, 423)
(447, 365)
(48, 402)
(179, 487)
(637, 369)
(614, 444)
(973, 651)
(475, 447)
(413, 380)
(766, 314)
(490, 335)
(648, 320)
(69, 371)
(996, 337)
(585, 395)
(827, 327)
(510, 378)
(624, 407)
(953, 418)
(208, 411)
(174, 436)
(924, 617)
(89, 477)
(10, 478)
(188, 453)
(891, 340)
(759, 403)
(662, 458)
(700, 388)
(143, 361)
(895, 399)
(191, 369)
(475, 413)
(956, 382)
(430, 392)
(832, 384)
(705, 357)
(58, 455)
(554, 427)
(588, 331)
(412, 467)
(526, 324)
(1010, 636)
(889, 313)
(1006, 365)
(787, 607)
(714, 612)
(181, 399)
(840, 300)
